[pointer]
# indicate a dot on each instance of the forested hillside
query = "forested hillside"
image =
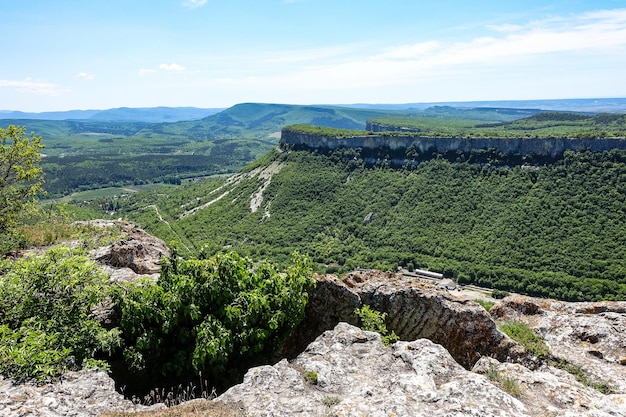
(557, 230)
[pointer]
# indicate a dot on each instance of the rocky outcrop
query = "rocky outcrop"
(415, 309)
(552, 147)
(591, 336)
(357, 376)
(83, 393)
(348, 372)
(136, 254)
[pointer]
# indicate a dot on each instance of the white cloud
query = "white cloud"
(144, 71)
(29, 85)
(548, 49)
(192, 4)
(86, 76)
(172, 67)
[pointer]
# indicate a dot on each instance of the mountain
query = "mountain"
(145, 115)
(592, 105)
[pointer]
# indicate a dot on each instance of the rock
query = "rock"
(589, 335)
(358, 376)
(139, 253)
(415, 309)
(82, 393)
(553, 392)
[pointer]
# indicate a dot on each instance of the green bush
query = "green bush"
(217, 316)
(374, 321)
(46, 325)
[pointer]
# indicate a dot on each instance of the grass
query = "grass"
(311, 377)
(526, 337)
(330, 400)
(485, 303)
(582, 377)
(200, 408)
(508, 383)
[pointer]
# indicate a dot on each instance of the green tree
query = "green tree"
(21, 177)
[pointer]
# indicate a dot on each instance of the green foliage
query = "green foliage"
(554, 230)
(21, 176)
(582, 377)
(498, 294)
(485, 304)
(508, 383)
(45, 314)
(542, 125)
(216, 315)
(374, 321)
(311, 377)
(325, 131)
(526, 337)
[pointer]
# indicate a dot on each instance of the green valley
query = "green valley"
(557, 230)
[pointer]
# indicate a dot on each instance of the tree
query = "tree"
(21, 177)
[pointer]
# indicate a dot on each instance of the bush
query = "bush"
(216, 315)
(45, 310)
(374, 321)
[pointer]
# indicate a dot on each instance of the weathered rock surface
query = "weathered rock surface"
(358, 376)
(554, 392)
(589, 335)
(83, 393)
(138, 254)
(414, 309)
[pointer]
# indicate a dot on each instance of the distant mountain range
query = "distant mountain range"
(122, 114)
(178, 114)
(593, 105)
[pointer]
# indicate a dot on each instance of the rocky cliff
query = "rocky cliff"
(452, 359)
(552, 147)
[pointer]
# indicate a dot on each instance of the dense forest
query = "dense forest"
(555, 230)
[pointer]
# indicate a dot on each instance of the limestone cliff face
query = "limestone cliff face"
(523, 146)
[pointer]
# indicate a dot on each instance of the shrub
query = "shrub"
(211, 315)
(374, 321)
(45, 310)
(311, 377)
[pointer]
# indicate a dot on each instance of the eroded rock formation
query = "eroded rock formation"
(137, 254)
(348, 372)
(591, 336)
(415, 309)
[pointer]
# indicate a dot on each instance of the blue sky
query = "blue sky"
(98, 54)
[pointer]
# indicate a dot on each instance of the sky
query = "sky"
(97, 54)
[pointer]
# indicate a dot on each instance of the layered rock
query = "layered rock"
(415, 309)
(395, 141)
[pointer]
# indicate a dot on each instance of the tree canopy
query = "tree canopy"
(21, 177)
